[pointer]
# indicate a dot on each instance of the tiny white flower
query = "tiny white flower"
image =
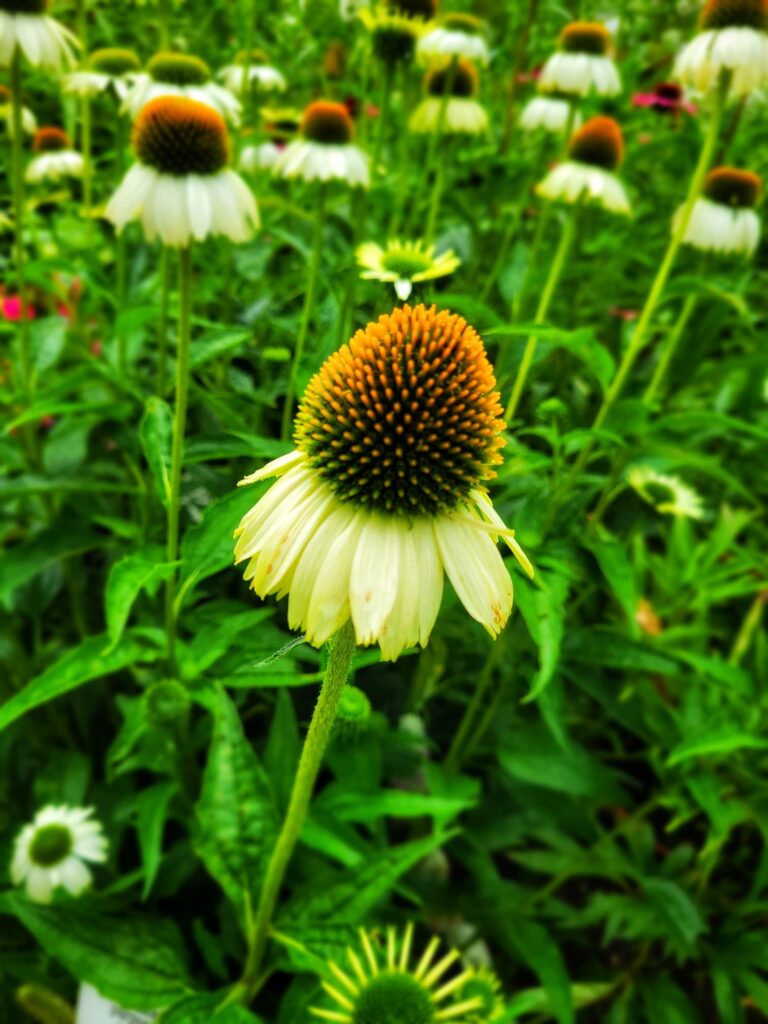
(53, 851)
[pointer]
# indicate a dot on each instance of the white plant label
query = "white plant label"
(93, 1008)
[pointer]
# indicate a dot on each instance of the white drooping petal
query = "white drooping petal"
(329, 603)
(741, 50)
(317, 161)
(75, 876)
(375, 576)
(578, 74)
(714, 227)
(477, 572)
(572, 181)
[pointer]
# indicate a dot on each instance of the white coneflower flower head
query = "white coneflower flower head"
(55, 158)
(733, 40)
(396, 437)
(454, 36)
(181, 74)
(105, 69)
(404, 263)
(53, 851)
(723, 218)
(325, 150)
(668, 494)
(551, 112)
(583, 62)
(450, 105)
(595, 153)
(181, 187)
(382, 982)
(26, 26)
(251, 69)
(393, 35)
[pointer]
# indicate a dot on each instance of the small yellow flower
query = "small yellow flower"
(404, 264)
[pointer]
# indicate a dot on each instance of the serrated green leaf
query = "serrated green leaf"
(236, 812)
(152, 808)
(156, 435)
(127, 578)
(133, 960)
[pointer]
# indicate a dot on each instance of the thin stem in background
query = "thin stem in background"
(555, 271)
(86, 143)
(434, 202)
(640, 333)
(17, 160)
(162, 336)
(177, 454)
(517, 66)
(385, 104)
(341, 649)
(669, 347)
(306, 316)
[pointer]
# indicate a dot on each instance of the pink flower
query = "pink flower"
(12, 308)
(666, 98)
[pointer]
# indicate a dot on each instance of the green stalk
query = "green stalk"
(555, 271)
(434, 141)
(538, 237)
(164, 11)
(82, 24)
(177, 454)
(458, 748)
(434, 203)
(517, 66)
(17, 161)
(306, 316)
(670, 347)
(86, 142)
(385, 104)
(162, 346)
(341, 649)
(640, 333)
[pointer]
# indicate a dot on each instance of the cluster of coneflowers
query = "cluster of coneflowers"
(400, 431)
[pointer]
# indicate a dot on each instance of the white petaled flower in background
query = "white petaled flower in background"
(404, 264)
(25, 26)
(382, 982)
(325, 150)
(668, 494)
(595, 152)
(454, 36)
(396, 437)
(54, 849)
(733, 39)
(179, 74)
(393, 34)
(583, 62)
(28, 119)
(181, 188)
(458, 112)
(105, 70)
(252, 70)
(723, 218)
(55, 158)
(282, 125)
(549, 112)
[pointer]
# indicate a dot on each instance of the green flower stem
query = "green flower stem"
(555, 271)
(162, 339)
(17, 161)
(434, 141)
(434, 203)
(640, 333)
(86, 140)
(670, 347)
(518, 299)
(121, 289)
(458, 748)
(82, 23)
(341, 649)
(749, 629)
(306, 316)
(177, 454)
(522, 36)
(385, 104)
(164, 13)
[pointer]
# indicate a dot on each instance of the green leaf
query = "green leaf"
(534, 945)
(396, 803)
(236, 811)
(20, 563)
(135, 961)
(156, 434)
(281, 755)
(617, 568)
(716, 742)
(94, 658)
(209, 547)
(152, 808)
(205, 1009)
(127, 578)
(542, 605)
(675, 907)
(217, 343)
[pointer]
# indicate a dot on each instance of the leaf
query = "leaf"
(94, 658)
(534, 945)
(152, 807)
(156, 434)
(609, 649)
(134, 960)
(205, 1009)
(217, 343)
(351, 806)
(615, 565)
(209, 547)
(127, 578)
(20, 563)
(281, 755)
(675, 907)
(347, 901)
(236, 811)
(715, 742)
(542, 605)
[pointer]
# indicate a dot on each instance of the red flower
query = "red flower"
(11, 305)
(666, 98)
